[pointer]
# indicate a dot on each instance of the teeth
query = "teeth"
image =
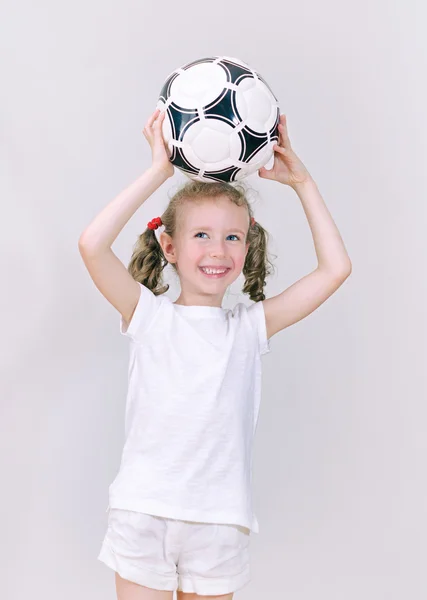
(213, 271)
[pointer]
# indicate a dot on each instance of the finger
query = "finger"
(148, 133)
(152, 118)
(280, 149)
(159, 121)
(264, 173)
(284, 135)
(284, 144)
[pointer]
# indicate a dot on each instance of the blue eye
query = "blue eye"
(231, 234)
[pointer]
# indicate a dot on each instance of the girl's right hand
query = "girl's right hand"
(160, 154)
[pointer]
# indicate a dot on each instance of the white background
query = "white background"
(340, 454)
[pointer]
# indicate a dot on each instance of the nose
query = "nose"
(218, 250)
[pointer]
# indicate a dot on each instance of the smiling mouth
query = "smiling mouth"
(213, 274)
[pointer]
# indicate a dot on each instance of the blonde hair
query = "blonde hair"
(148, 261)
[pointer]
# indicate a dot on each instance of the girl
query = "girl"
(181, 512)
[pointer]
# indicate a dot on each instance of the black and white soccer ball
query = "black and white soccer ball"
(221, 119)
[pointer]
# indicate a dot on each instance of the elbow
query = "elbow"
(82, 243)
(340, 272)
(86, 245)
(345, 270)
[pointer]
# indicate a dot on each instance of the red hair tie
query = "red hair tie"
(154, 223)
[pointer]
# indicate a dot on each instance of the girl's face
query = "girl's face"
(211, 233)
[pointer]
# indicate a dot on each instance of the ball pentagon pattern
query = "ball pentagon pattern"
(221, 119)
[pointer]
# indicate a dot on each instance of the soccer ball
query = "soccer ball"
(221, 119)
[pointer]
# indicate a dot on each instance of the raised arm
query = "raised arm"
(334, 265)
(106, 270)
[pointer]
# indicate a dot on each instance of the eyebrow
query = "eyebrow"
(210, 229)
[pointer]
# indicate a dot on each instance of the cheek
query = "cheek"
(242, 264)
(192, 253)
(239, 260)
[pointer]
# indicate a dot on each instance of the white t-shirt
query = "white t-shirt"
(191, 411)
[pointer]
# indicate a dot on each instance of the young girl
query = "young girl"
(181, 511)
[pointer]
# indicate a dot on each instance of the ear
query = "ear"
(166, 243)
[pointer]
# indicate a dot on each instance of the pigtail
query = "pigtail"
(257, 264)
(148, 261)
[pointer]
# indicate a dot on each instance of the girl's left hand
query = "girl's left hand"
(287, 167)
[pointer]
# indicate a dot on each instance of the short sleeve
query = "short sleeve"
(143, 315)
(257, 315)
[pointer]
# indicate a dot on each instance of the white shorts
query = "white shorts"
(168, 554)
